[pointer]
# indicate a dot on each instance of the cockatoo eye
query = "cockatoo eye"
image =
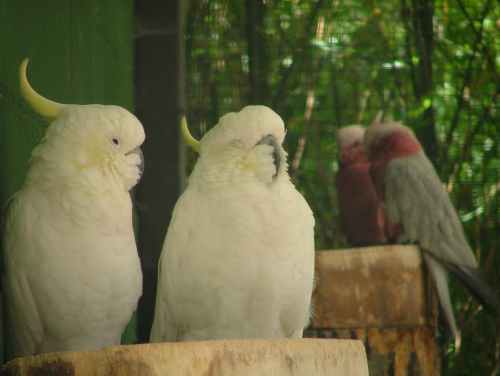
(116, 141)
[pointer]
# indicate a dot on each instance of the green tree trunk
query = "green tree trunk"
(258, 59)
(418, 21)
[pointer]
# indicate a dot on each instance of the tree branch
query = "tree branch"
(418, 23)
(337, 101)
(299, 49)
(468, 142)
(257, 51)
(302, 139)
(489, 59)
(405, 15)
(467, 78)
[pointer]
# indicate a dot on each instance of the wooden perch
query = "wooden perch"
(382, 296)
(370, 287)
(218, 358)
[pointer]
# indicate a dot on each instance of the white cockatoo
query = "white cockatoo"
(238, 258)
(73, 275)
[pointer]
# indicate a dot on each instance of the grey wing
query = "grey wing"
(416, 198)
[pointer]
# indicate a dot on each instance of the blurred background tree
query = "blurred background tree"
(321, 65)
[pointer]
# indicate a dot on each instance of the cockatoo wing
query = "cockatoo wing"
(164, 328)
(24, 317)
(361, 213)
(416, 198)
(25, 330)
(68, 286)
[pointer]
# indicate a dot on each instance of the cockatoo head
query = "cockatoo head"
(350, 136)
(242, 147)
(388, 140)
(86, 141)
(350, 143)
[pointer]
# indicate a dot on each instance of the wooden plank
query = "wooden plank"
(211, 358)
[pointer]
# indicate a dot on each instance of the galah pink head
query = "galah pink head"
(388, 140)
(350, 143)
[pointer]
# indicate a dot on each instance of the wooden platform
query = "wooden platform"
(305, 357)
(382, 296)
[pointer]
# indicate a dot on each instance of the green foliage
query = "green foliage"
(432, 65)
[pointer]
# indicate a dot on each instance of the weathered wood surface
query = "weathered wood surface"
(218, 358)
(382, 296)
(370, 287)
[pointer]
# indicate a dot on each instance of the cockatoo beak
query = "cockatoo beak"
(271, 140)
(138, 151)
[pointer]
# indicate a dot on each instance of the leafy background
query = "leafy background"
(325, 64)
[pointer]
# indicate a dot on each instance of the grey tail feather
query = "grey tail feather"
(475, 283)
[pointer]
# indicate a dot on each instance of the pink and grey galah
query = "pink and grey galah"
(361, 212)
(415, 198)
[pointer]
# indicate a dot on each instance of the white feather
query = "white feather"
(73, 275)
(238, 258)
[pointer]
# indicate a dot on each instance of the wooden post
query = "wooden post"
(382, 296)
(159, 88)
